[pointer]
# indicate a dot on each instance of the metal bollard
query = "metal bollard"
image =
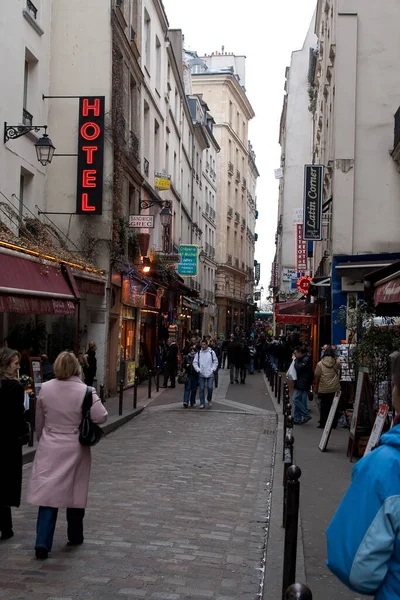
(32, 407)
(289, 442)
(121, 397)
(272, 381)
(158, 380)
(287, 429)
(279, 389)
(135, 392)
(102, 394)
(149, 394)
(291, 528)
(276, 383)
(298, 591)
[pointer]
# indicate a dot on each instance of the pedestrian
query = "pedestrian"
(90, 364)
(214, 346)
(171, 365)
(253, 352)
(189, 395)
(235, 360)
(13, 435)
(61, 468)
(205, 364)
(305, 376)
(225, 345)
(327, 383)
(244, 360)
(47, 368)
(363, 536)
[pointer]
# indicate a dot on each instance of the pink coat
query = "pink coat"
(61, 469)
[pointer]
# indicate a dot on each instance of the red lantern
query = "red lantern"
(303, 284)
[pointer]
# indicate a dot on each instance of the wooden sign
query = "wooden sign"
(357, 402)
(363, 412)
(329, 422)
(377, 428)
(36, 374)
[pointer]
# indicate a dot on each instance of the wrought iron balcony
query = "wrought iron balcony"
(230, 211)
(27, 118)
(230, 168)
(237, 217)
(237, 175)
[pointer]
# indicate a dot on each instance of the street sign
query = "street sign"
(141, 221)
(162, 181)
(189, 258)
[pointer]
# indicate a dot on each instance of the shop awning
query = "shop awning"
(388, 293)
(359, 270)
(298, 312)
(31, 287)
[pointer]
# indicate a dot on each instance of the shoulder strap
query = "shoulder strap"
(87, 400)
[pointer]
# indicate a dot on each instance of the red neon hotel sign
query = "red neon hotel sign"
(90, 156)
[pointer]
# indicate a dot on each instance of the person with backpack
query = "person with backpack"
(205, 363)
(189, 395)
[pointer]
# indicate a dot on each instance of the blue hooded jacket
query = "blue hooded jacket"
(364, 535)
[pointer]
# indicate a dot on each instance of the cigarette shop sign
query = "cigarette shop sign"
(89, 198)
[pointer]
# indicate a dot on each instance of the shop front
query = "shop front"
(299, 316)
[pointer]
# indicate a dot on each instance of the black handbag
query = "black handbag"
(89, 433)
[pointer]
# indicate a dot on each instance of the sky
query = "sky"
(266, 32)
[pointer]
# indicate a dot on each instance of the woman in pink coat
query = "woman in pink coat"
(61, 469)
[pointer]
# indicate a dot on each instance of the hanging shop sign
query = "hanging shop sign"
(301, 248)
(89, 198)
(162, 181)
(303, 284)
(257, 272)
(141, 221)
(312, 203)
(275, 275)
(288, 273)
(189, 259)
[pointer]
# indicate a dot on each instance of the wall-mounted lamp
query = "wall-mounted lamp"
(44, 146)
(146, 264)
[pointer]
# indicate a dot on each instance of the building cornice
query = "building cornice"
(230, 81)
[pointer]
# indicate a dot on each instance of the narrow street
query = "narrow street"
(178, 508)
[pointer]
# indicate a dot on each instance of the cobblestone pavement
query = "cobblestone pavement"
(178, 509)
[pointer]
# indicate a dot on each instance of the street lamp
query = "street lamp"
(44, 146)
(166, 220)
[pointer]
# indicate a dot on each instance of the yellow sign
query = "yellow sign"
(162, 181)
(130, 372)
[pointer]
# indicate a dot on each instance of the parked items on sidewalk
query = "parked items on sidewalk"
(61, 469)
(13, 435)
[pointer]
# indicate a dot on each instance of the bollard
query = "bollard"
(135, 392)
(272, 379)
(279, 389)
(149, 394)
(32, 407)
(287, 429)
(102, 394)
(291, 528)
(276, 382)
(298, 591)
(158, 380)
(121, 397)
(289, 442)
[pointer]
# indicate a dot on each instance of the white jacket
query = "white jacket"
(205, 362)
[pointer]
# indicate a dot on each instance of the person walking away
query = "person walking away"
(235, 360)
(304, 372)
(327, 383)
(61, 468)
(363, 536)
(244, 360)
(214, 346)
(90, 364)
(14, 433)
(47, 368)
(225, 345)
(253, 352)
(189, 395)
(205, 364)
(171, 363)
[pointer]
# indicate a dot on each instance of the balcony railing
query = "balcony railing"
(212, 214)
(31, 8)
(27, 118)
(230, 168)
(230, 212)
(146, 166)
(243, 222)
(207, 208)
(207, 248)
(244, 183)
(237, 217)
(237, 175)
(207, 166)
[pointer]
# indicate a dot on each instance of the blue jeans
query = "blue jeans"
(274, 360)
(206, 381)
(190, 390)
(251, 366)
(46, 524)
(300, 398)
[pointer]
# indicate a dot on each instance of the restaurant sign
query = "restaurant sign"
(301, 249)
(141, 221)
(312, 205)
(89, 198)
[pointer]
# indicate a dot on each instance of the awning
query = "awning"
(360, 269)
(388, 293)
(31, 287)
(298, 312)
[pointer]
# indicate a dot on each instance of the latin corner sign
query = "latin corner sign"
(89, 198)
(189, 259)
(312, 205)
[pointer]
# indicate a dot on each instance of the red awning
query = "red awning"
(31, 287)
(388, 293)
(298, 312)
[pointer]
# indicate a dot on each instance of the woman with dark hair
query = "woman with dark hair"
(13, 435)
(327, 383)
(90, 364)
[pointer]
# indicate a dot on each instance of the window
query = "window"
(156, 144)
(175, 172)
(166, 158)
(238, 123)
(146, 129)
(27, 117)
(158, 65)
(147, 40)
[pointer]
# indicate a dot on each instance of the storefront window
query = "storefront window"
(128, 340)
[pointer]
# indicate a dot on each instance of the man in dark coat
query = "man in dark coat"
(235, 359)
(305, 376)
(171, 363)
(244, 360)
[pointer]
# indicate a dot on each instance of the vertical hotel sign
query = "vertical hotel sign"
(301, 249)
(312, 205)
(89, 198)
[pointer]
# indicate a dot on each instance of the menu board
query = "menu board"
(377, 428)
(329, 422)
(36, 374)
